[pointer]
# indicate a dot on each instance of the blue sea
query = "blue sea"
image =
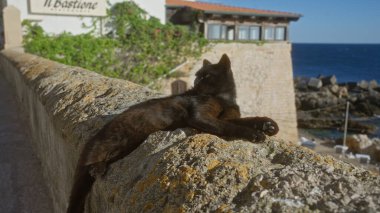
(348, 62)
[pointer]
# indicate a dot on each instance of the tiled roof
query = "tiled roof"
(220, 8)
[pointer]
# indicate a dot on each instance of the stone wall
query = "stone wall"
(177, 171)
(65, 106)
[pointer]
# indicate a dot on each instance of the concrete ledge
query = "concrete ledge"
(172, 171)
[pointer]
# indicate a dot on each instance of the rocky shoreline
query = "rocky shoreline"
(321, 103)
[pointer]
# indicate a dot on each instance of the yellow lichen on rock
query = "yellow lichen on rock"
(146, 182)
(173, 209)
(212, 164)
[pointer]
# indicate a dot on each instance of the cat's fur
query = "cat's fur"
(210, 106)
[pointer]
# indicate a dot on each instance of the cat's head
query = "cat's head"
(216, 79)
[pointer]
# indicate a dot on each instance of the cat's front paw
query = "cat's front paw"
(270, 127)
(258, 137)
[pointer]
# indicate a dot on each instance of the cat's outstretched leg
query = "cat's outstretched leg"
(224, 128)
(263, 124)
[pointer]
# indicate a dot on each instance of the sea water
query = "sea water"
(348, 62)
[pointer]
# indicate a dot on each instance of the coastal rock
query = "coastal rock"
(376, 148)
(373, 93)
(325, 92)
(301, 83)
(316, 99)
(334, 89)
(343, 92)
(314, 83)
(329, 80)
(316, 123)
(298, 103)
(372, 84)
(362, 144)
(363, 107)
(309, 103)
(363, 84)
(352, 99)
(329, 118)
(325, 107)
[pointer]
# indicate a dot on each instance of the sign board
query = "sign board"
(69, 7)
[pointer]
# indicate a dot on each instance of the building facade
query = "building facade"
(221, 22)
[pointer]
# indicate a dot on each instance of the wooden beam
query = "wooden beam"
(235, 17)
(216, 16)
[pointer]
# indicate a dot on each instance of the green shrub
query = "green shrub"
(135, 48)
(93, 53)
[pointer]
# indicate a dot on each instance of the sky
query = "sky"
(325, 21)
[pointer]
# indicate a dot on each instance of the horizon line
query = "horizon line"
(333, 43)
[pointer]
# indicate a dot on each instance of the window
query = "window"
(243, 32)
(214, 31)
(254, 33)
(249, 33)
(280, 34)
(269, 33)
(217, 31)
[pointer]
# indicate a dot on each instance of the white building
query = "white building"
(68, 19)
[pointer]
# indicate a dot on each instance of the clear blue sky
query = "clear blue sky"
(325, 21)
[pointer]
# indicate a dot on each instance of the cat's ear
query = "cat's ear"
(206, 62)
(225, 62)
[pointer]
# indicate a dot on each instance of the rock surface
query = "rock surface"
(314, 83)
(182, 172)
(362, 144)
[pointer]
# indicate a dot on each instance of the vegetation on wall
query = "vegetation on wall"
(135, 48)
(87, 51)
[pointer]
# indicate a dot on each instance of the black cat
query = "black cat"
(209, 107)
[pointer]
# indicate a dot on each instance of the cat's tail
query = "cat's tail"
(81, 187)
